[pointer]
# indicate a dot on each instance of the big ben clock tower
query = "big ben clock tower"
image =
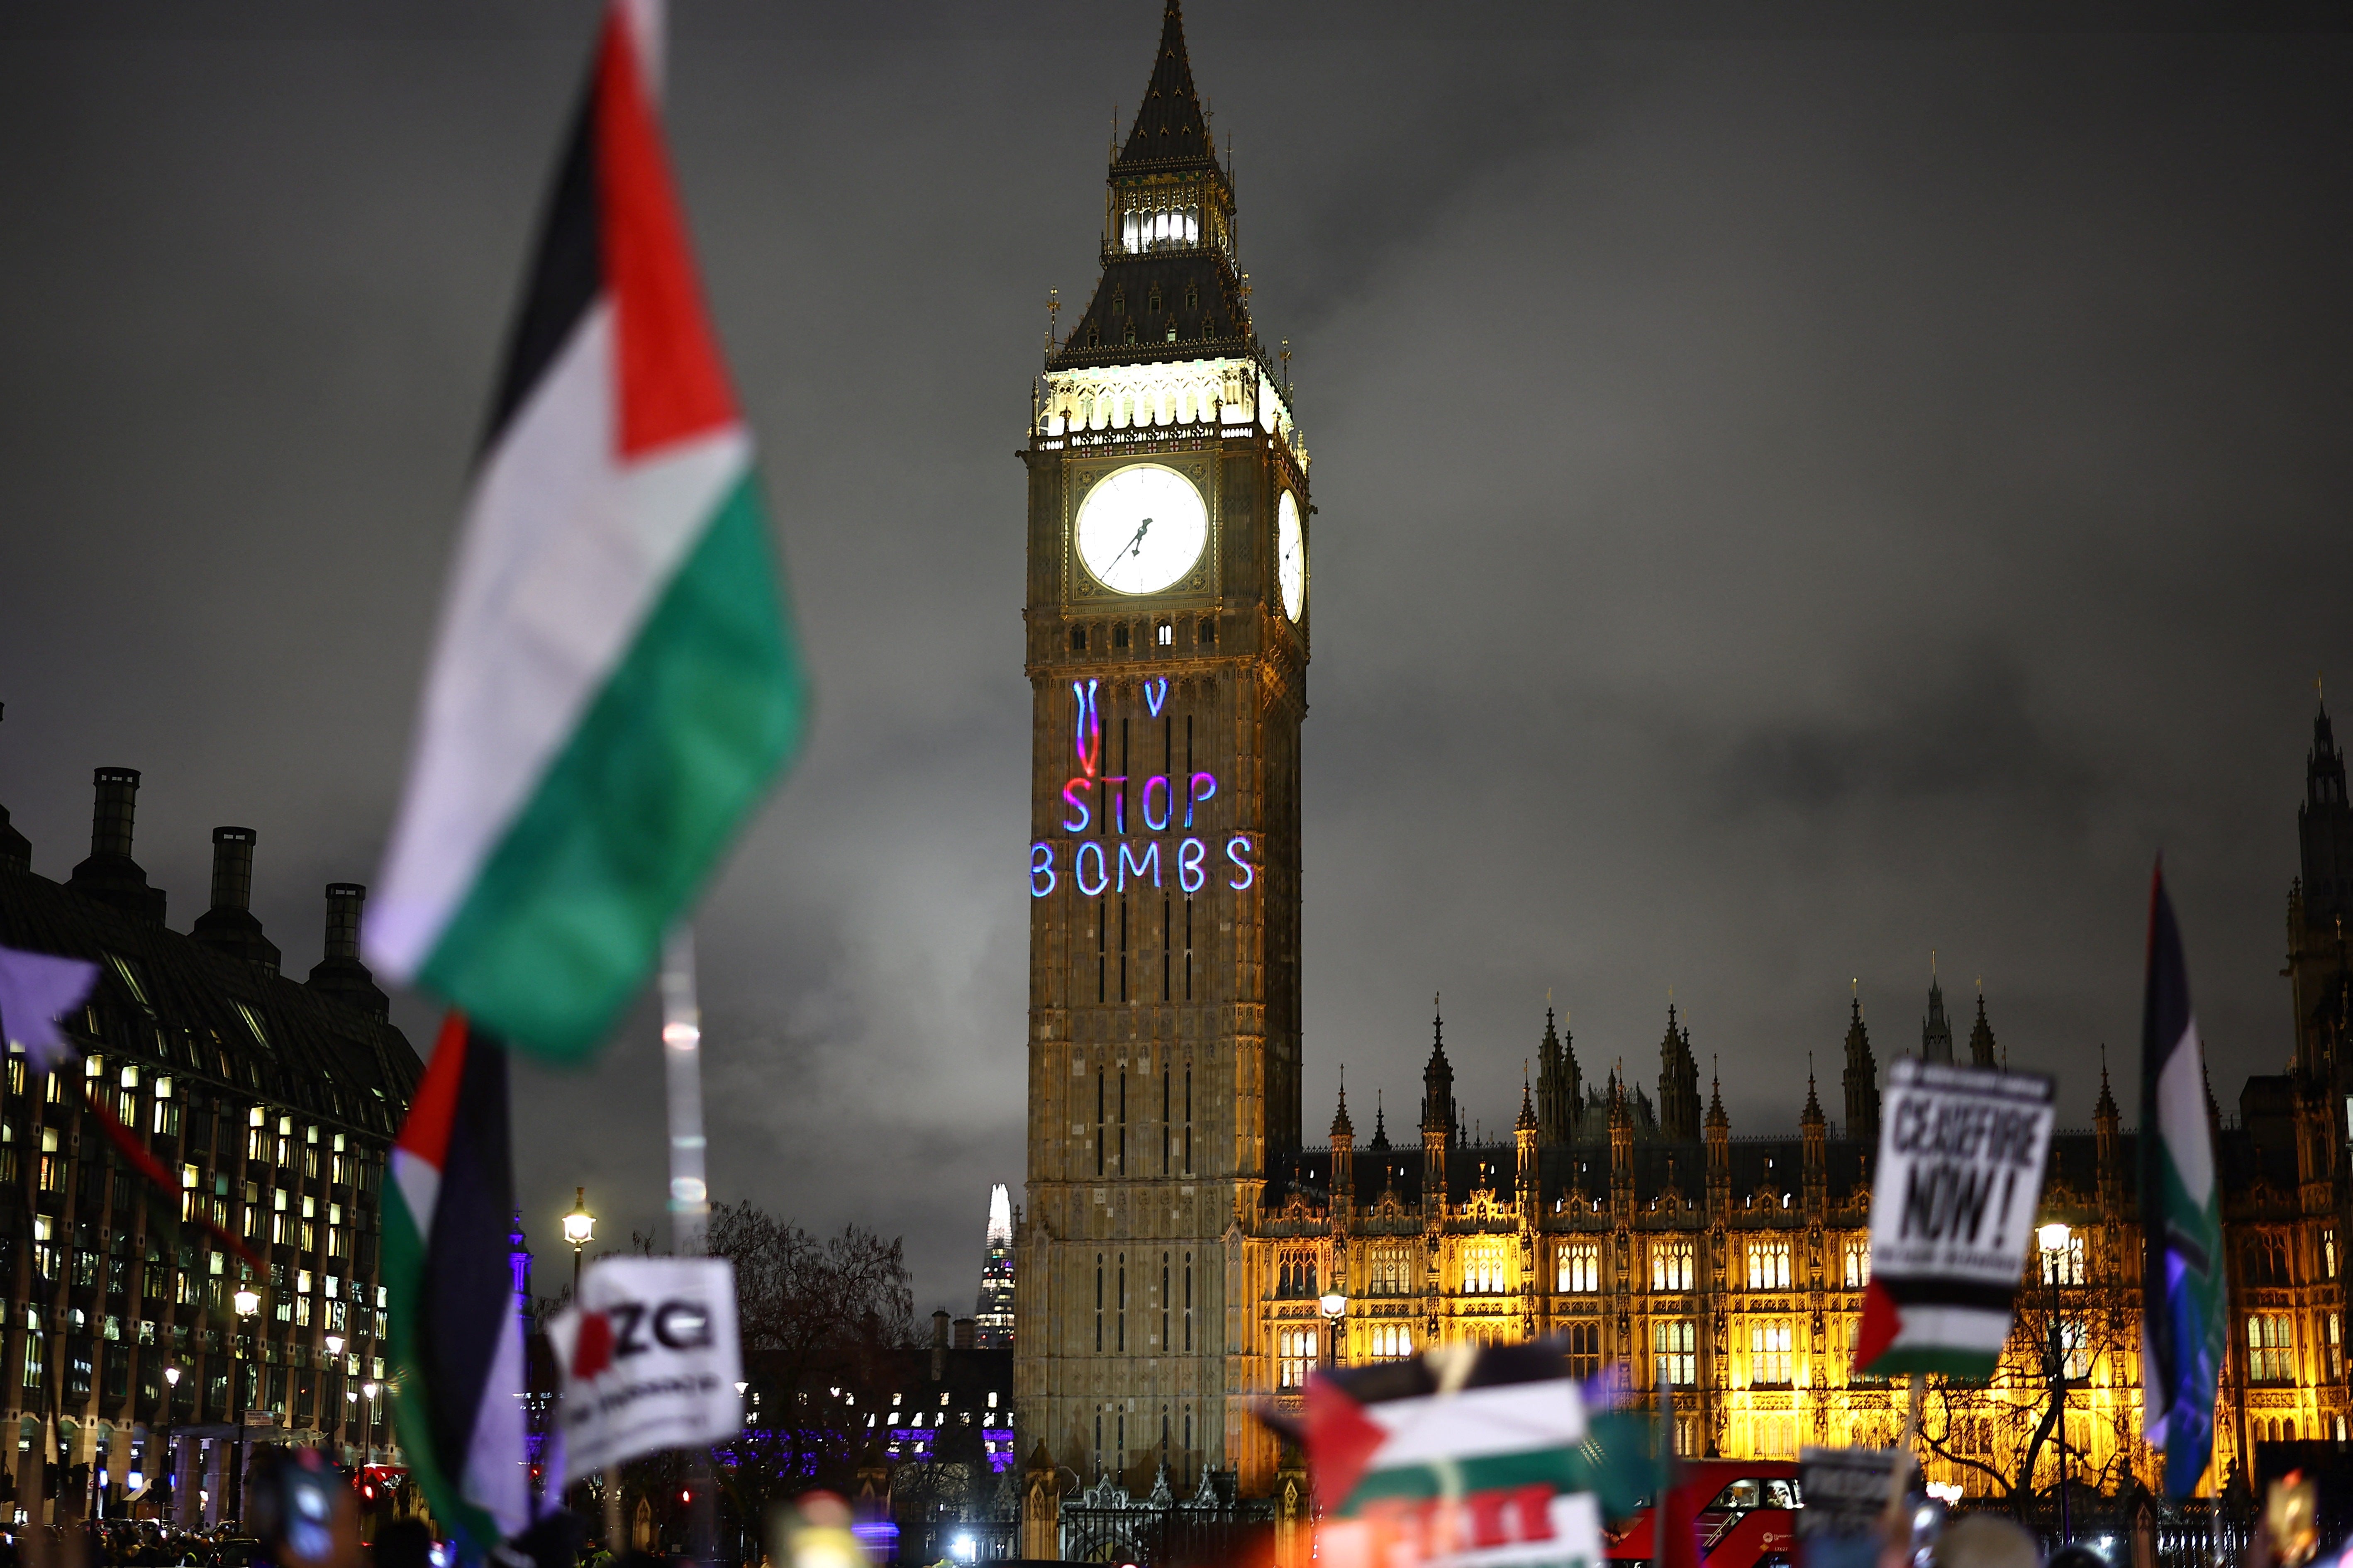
(1168, 641)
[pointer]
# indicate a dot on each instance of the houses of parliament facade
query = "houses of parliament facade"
(1180, 1242)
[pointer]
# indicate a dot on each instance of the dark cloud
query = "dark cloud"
(1795, 492)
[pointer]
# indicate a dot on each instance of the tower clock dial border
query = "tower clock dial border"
(1198, 584)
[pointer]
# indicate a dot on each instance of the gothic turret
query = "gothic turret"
(1861, 1080)
(1560, 1087)
(1437, 1118)
(1438, 1084)
(2107, 1130)
(1523, 1144)
(1936, 1030)
(1981, 1038)
(1813, 1129)
(1344, 1152)
(1380, 1124)
(2325, 829)
(1719, 1149)
(1678, 1084)
(1621, 1148)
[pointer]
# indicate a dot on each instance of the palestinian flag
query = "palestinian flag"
(2183, 1285)
(456, 1330)
(1468, 1457)
(615, 681)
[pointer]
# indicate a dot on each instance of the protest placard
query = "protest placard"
(1961, 1157)
(648, 1360)
(1845, 1492)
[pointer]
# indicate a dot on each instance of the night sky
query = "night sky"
(1794, 495)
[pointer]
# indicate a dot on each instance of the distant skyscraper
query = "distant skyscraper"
(993, 1318)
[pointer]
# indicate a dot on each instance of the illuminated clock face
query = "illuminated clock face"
(1290, 556)
(1141, 529)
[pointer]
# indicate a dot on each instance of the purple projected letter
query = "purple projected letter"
(1241, 841)
(1193, 793)
(1118, 809)
(1167, 802)
(1078, 806)
(1155, 692)
(1042, 863)
(1189, 855)
(1079, 867)
(1086, 730)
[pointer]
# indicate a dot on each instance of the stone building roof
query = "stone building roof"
(193, 1009)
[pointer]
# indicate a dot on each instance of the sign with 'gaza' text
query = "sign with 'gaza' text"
(648, 1360)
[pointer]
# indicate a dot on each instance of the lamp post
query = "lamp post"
(169, 1455)
(2055, 1238)
(1335, 1309)
(367, 1420)
(579, 1228)
(246, 1302)
(334, 1348)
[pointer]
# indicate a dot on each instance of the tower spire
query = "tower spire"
(1169, 125)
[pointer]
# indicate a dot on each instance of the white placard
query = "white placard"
(1961, 1156)
(648, 1361)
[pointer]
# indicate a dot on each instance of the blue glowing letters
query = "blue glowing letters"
(1107, 862)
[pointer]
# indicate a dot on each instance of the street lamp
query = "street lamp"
(2055, 1238)
(247, 1302)
(171, 1465)
(579, 1228)
(1336, 1307)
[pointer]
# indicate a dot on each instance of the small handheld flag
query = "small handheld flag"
(1467, 1456)
(2182, 1287)
(615, 682)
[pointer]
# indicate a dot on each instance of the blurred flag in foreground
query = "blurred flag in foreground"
(457, 1335)
(615, 682)
(2182, 1286)
(35, 987)
(1466, 1457)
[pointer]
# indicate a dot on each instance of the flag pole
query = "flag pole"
(689, 1193)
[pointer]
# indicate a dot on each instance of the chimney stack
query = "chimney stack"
(229, 924)
(939, 1347)
(118, 798)
(110, 874)
(233, 868)
(339, 974)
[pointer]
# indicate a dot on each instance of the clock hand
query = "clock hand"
(1129, 548)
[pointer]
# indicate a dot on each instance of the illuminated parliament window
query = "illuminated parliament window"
(1768, 1355)
(1390, 1341)
(1581, 1267)
(1482, 1269)
(2271, 1349)
(1677, 1349)
(1858, 1264)
(1671, 1266)
(1296, 1348)
(1769, 1265)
